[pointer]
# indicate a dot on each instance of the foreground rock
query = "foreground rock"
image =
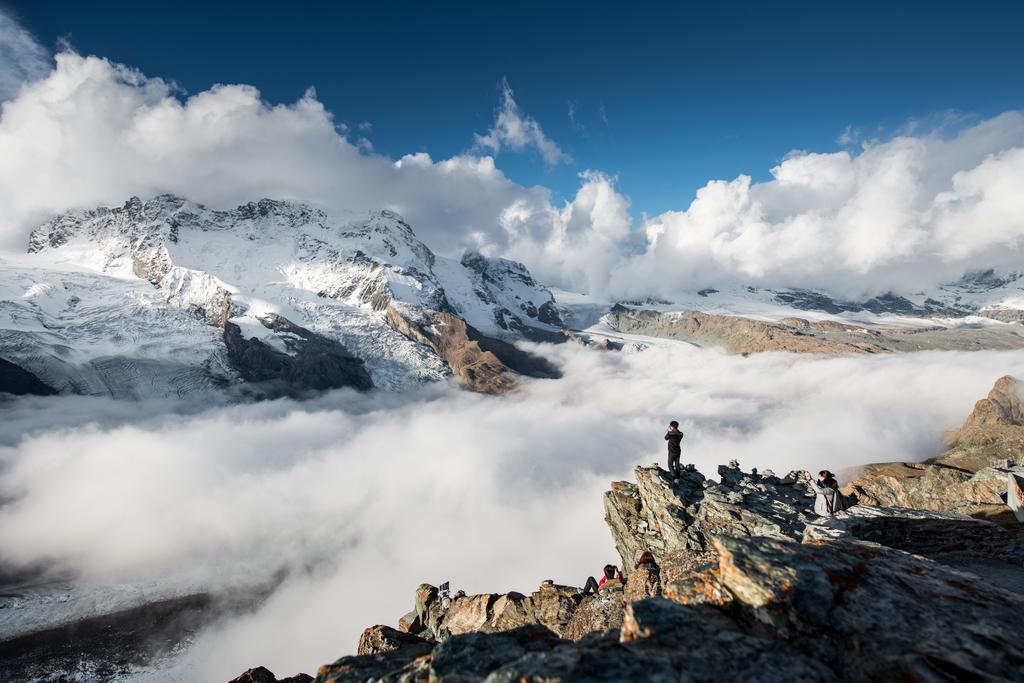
(263, 675)
(972, 477)
(675, 519)
(820, 611)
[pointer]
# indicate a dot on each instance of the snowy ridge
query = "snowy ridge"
(334, 275)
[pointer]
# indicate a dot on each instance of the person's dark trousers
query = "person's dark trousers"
(591, 586)
(673, 463)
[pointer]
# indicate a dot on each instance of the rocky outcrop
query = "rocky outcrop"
(598, 612)
(675, 519)
(263, 675)
(309, 362)
(380, 639)
(481, 363)
(835, 610)
(436, 618)
(16, 380)
(920, 532)
(972, 476)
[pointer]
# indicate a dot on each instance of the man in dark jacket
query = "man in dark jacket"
(674, 436)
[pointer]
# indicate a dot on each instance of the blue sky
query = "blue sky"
(664, 97)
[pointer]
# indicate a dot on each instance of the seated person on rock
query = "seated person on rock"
(611, 572)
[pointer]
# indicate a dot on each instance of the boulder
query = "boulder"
(600, 611)
(510, 611)
(970, 476)
(263, 675)
(920, 532)
(379, 639)
(553, 605)
(675, 518)
(643, 582)
(469, 613)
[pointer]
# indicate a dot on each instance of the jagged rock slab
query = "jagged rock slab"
(920, 532)
(971, 476)
(675, 519)
(821, 611)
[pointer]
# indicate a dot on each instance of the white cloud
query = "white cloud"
(22, 58)
(517, 131)
(902, 214)
(364, 497)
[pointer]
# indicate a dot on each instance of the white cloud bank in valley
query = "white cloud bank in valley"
(364, 497)
(900, 214)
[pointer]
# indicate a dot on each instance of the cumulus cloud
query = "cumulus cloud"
(362, 498)
(902, 214)
(517, 131)
(22, 58)
(94, 132)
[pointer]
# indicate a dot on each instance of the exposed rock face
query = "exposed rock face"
(380, 639)
(18, 381)
(310, 362)
(602, 611)
(676, 519)
(550, 606)
(819, 611)
(915, 531)
(263, 675)
(971, 477)
(483, 364)
(643, 582)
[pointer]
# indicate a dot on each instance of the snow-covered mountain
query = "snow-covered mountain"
(169, 297)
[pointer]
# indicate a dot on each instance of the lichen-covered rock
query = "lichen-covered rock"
(553, 605)
(675, 518)
(643, 582)
(600, 611)
(510, 611)
(469, 613)
(920, 532)
(263, 675)
(378, 639)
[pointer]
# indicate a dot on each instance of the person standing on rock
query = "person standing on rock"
(828, 501)
(674, 436)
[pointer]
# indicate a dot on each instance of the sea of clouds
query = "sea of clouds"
(361, 498)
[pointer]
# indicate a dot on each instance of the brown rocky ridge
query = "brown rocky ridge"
(984, 459)
(742, 335)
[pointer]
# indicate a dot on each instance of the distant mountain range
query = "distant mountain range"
(169, 298)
